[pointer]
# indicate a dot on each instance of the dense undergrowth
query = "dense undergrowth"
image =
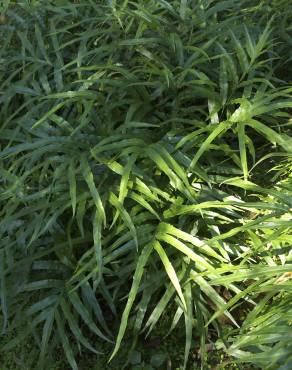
(145, 175)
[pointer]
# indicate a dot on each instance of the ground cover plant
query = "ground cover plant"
(145, 177)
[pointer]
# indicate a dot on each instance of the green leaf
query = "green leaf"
(160, 307)
(97, 243)
(72, 184)
(188, 321)
(88, 177)
(139, 199)
(124, 182)
(183, 9)
(170, 271)
(126, 217)
(242, 149)
(201, 262)
(85, 315)
(74, 327)
(142, 260)
(221, 127)
(48, 114)
(65, 342)
(47, 331)
(3, 291)
(270, 134)
(223, 80)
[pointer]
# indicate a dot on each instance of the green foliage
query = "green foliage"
(145, 169)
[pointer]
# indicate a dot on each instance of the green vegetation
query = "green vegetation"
(146, 184)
